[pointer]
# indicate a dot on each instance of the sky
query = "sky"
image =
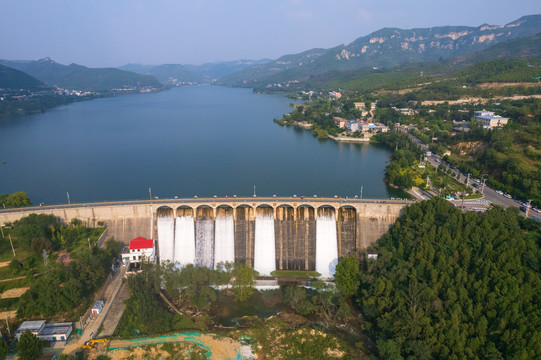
(111, 33)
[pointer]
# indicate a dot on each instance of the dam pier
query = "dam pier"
(267, 233)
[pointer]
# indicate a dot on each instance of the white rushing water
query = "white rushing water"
(224, 240)
(326, 245)
(184, 240)
(264, 247)
(204, 243)
(166, 237)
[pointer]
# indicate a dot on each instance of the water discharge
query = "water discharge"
(184, 240)
(326, 245)
(264, 246)
(204, 243)
(224, 247)
(166, 236)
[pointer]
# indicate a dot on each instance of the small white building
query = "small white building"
(56, 332)
(140, 249)
(97, 307)
(489, 119)
(34, 326)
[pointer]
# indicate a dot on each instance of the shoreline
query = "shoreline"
(349, 139)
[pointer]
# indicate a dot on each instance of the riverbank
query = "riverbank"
(349, 139)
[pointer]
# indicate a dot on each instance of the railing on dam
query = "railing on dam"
(293, 228)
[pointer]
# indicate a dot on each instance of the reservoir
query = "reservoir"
(187, 141)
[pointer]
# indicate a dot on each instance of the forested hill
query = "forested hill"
(78, 77)
(15, 79)
(181, 74)
(448, 285)
(391, 47)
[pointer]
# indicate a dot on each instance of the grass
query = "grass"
(295, 274)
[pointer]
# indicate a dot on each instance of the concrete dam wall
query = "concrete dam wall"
(267, 233)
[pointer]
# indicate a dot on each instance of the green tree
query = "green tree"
(29, 346)
(348, 276)
(243, 287)
(3, 349)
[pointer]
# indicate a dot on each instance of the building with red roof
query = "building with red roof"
(140, 249)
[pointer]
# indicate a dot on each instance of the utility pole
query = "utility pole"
(12, 248)
(149, 193)
(2, 228)
(7, 322)
(89, 243)
(68, 195)
(254, 191)
(361, 191)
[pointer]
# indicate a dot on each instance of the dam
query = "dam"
(267, 233)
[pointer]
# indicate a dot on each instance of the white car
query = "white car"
(499, 192)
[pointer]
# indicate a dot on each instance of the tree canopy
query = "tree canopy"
(454, 286)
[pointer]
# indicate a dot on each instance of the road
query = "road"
(91, 330)
(488, 193)
(259, 199)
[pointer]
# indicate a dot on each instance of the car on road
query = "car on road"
(499, 192)
(507, 196)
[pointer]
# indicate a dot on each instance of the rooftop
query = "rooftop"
(33, 326)
(141, 243)
(56, 328)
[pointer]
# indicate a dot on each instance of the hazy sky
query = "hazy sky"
(101, 33)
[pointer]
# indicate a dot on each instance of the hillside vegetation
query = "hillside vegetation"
(448, 285)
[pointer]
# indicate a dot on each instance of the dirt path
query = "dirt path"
(4, 263)
(18, 278)
(220, 349)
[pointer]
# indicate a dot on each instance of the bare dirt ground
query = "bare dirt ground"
(13, 293)
(8, 314)
(4, 264)
(221, 349)
(499, 85)
(479, 100)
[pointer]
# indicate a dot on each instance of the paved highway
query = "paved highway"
(488, 193)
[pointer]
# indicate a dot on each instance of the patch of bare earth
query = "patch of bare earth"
(8, 314)
(503, 84)
(13, 293)
(466, 148)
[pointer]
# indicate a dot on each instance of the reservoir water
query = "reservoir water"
(187, 141)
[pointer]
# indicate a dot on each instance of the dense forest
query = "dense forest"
(448, 285)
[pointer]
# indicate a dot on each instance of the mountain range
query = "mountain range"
(389, 54)
(174, 74)
(385, 48)
(81, 77)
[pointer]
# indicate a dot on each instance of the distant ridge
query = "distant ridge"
(14, 79)
(386, 48)
(81, 77)
(174, 74)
